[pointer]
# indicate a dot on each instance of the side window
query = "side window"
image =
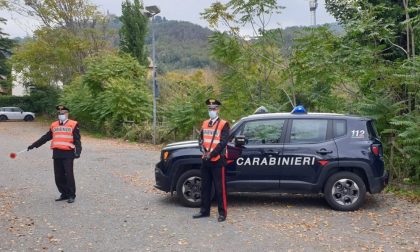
(308, 131)
(8, 109)
(340, 128)
(263, 132)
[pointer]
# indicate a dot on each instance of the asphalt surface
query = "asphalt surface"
(117, 209)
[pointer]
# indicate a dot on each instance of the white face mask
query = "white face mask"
(212, 114)
(62, 118)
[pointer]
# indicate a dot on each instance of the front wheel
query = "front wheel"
(188, 188)
(345, 191)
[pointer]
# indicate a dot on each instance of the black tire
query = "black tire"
(188, 188)
(3, 118)
(345, 191)
(28, 118)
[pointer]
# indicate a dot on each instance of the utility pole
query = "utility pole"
(152, 11)
(313, 4)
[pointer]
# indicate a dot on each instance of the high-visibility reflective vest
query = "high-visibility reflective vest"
(208, 136)
(62, 135)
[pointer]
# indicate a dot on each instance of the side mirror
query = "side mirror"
(240, 141)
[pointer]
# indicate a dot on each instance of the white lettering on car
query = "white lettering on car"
(306, 161)
(264, 161)
(272, 161)
(298, 161)
(240, 161)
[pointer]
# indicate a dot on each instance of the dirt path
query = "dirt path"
(117, 209)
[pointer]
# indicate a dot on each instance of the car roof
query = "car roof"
(306, 116)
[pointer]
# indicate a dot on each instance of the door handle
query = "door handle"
(324, 151)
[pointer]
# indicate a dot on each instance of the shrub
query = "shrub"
(112, 91)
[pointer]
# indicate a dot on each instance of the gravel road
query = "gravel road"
(117, 209)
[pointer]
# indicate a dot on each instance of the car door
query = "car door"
(255, 169)
(17, 113)
(308, 147)
(10, 113)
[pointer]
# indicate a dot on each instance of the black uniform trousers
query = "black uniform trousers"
(64, 176)
(213, 172)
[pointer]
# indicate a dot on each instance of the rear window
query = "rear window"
(373, 133)
(308, 131)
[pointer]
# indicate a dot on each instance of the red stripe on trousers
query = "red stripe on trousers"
(224, 190)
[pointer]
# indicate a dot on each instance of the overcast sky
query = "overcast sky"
(296, 13)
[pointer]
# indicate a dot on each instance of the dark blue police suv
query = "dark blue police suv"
(337, 155)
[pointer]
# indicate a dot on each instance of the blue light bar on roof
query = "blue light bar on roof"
(299, 110)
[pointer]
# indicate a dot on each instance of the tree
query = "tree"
(6, 45)
(254, 64)
(72, 30)
(133, 30)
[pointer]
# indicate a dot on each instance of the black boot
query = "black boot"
(221, 218)
(200, 215)
(62, 197)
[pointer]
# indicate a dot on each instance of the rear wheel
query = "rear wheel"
(345, 191)
(28, 118)
(3, 118)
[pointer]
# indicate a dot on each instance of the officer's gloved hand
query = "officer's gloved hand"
(206, 157)
(30, 147)
(76, 155)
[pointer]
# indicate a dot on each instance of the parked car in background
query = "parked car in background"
(15, 113)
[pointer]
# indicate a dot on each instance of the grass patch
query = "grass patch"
(409, 192)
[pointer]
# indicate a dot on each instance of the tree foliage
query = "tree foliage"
(72, 30)
(6, 46)
(133, 30)
(113, 91)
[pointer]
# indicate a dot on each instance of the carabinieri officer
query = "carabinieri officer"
(66, 146)
(213, 139)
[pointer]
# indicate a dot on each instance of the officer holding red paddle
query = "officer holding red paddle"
(213, 139)
(66, 145)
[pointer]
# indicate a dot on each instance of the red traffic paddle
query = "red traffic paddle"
(14, 155)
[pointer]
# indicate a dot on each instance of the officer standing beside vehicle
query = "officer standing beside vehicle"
(66, 145)
(213, 140)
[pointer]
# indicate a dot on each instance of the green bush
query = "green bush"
(113, 91)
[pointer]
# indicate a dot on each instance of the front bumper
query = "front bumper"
(163, 182)
(378, 184)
